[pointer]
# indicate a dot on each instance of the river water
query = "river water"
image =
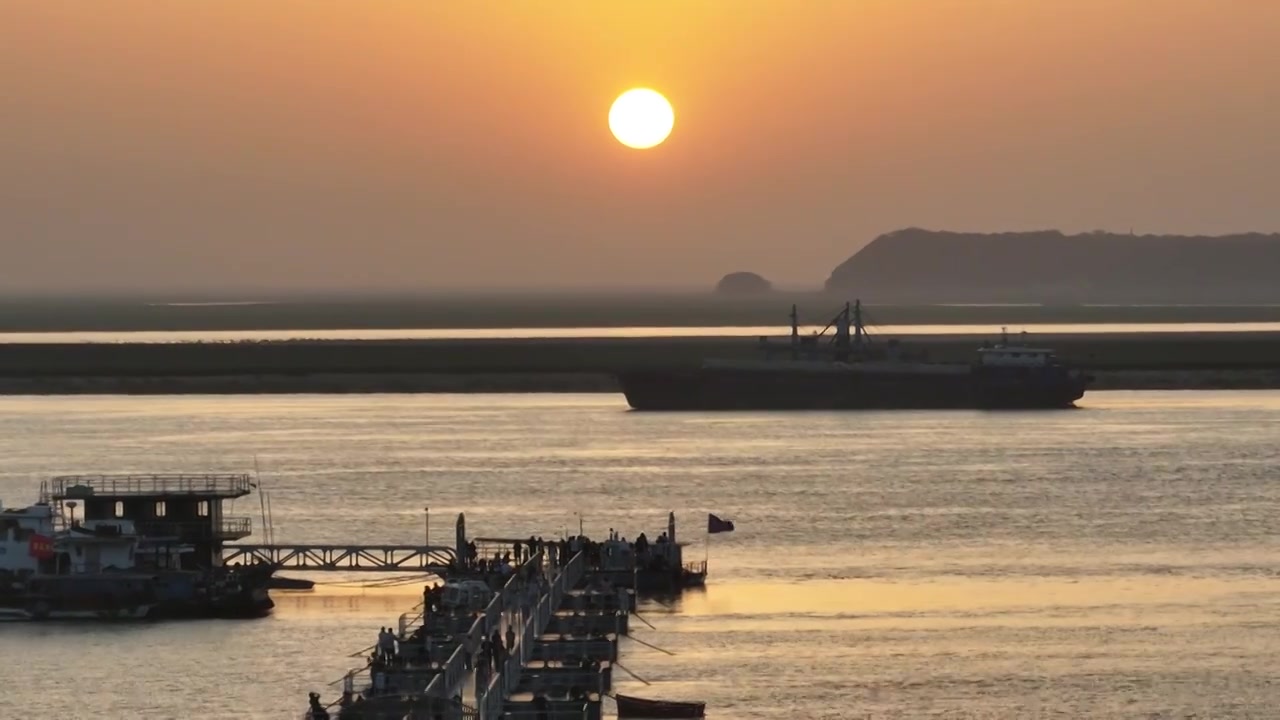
(1114, 561)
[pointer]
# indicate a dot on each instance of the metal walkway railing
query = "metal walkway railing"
(493, 698)
(345, 558)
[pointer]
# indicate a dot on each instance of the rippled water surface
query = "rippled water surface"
(1114, 561)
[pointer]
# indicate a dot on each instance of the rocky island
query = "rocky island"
(743, 283)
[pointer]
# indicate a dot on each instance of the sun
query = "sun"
(641, 118)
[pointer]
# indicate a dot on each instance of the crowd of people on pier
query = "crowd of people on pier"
(448, 611)
(614, 553)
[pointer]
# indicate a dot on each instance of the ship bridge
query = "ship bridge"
(175, 508)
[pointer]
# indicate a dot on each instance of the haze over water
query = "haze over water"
(1115, 561)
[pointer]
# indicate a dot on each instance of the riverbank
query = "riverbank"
(559, 310)
(1118, 361)
(409, 383)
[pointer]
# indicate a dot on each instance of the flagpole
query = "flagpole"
(706, 546)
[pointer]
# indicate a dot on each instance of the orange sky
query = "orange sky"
(413, 145)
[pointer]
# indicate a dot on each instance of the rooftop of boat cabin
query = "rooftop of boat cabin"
(44, 508)
(1015, 349)
(213, 486)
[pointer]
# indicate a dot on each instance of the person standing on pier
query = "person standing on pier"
(482, 669)
(499, 652)
(386, 644)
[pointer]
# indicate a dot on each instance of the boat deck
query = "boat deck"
(79, 487)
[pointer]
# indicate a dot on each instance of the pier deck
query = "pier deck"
(514, 619)
(347, 558)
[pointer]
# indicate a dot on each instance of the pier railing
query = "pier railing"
(455, 671)
(696, 568)
(494, 696)
(74, 487)
(510, 606)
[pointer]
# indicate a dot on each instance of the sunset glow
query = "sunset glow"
(403, 145)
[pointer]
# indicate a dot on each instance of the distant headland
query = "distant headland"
(926, 266)
(743, 283)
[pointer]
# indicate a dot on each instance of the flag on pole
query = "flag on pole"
(716, 525)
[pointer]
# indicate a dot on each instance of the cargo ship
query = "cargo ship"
(845, 371)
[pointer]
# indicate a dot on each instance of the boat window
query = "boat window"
(119, 508)
(160, 509)
(202, 508)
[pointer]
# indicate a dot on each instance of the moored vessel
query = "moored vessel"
(144, 547)
(85, 573)
(847, 372)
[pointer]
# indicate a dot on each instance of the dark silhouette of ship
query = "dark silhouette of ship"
(847, 372)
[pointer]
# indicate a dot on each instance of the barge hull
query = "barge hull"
(704, 389)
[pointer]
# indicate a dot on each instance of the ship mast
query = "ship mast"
(842, 335)
(858, 332)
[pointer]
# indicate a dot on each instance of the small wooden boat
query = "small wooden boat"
(287, 583)
(634, 707)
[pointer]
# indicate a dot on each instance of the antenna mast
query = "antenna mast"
(858, 332)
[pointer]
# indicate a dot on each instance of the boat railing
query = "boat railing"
(696, 568)
(379, 680)
(411, 619)
(72, 487)
(231, 526)
(563, 650)
(228, 528)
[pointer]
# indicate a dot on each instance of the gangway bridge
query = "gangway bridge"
(435, 559)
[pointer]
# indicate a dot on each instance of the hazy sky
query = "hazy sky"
(424, 145)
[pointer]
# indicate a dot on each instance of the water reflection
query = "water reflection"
(1115, 562)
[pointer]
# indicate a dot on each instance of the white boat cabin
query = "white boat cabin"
(26, 534)
(1006, 355)
(31, 541)
(97, 545)
(1016, 356)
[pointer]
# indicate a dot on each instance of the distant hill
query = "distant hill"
(924, 266)
(743, 283)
